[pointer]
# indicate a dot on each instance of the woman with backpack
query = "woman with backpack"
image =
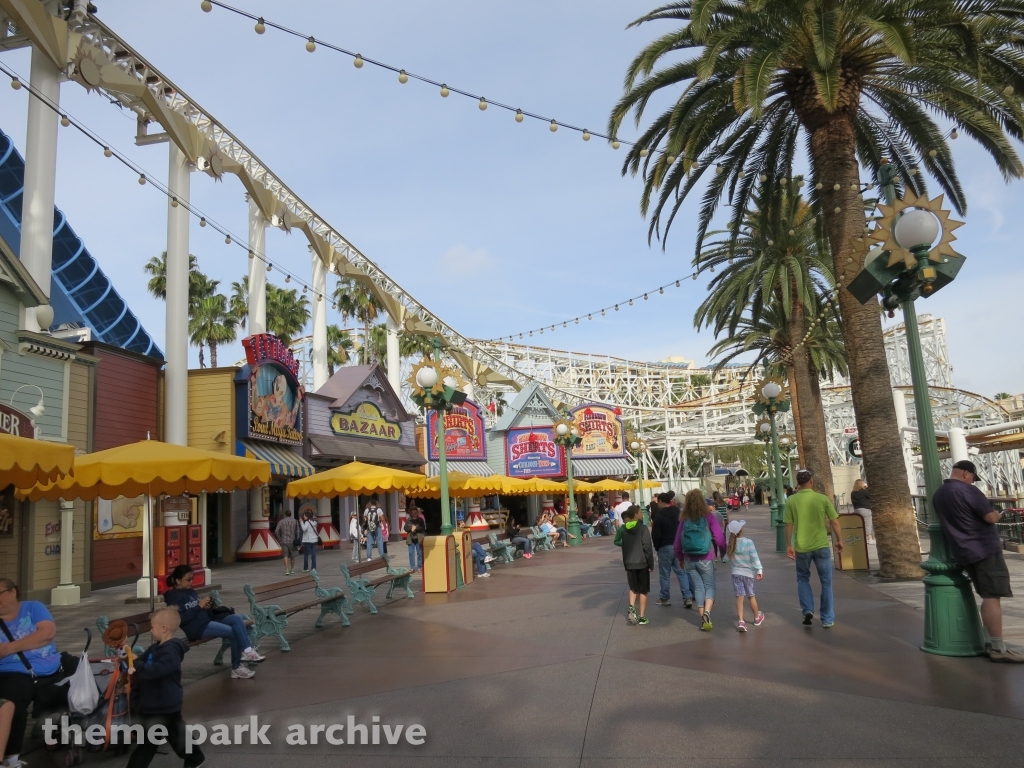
(698, 536)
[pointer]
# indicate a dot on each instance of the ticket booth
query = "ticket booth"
(440, 555)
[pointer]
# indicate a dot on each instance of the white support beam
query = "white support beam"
(318, 353)
(40, 178)
(176, 332)
(394, 358)
(257, 320)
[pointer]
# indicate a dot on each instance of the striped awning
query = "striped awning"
(601, 468)
(282, 460)
(478, 468)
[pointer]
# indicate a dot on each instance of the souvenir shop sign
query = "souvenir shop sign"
(272, 400)
(463, 433)
(533, 453)
(14, 422)
(600, 430)
(366, 421)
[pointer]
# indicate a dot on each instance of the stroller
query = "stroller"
(113, 708)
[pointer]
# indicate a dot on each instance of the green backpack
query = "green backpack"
(696, 538)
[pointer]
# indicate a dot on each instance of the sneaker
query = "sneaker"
(741, 626)
(828, 626)
(305, 570)
(252, 655)
(484, 575)
(1005, 657)
(631, 616)
(759, 619)
(242, 672)
(687, 603)
(528, 556)
(489, 559)
(808, 617)
(707, 626)
(663, 602)
(642, 620)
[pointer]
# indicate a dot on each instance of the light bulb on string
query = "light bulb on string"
(661, 290)
(206, 5)
(16, 84)
(202, 222)
(590, 317)
(933, 152)
(444, 91)
(483, 104)
(602, 313)
(837, 187)
(742, 174)
(763, 178)
(631, 302)
(645, 297)
(357, 62)
(174, 202)
(670, 159)
(616, 307)
(678, 284)
(783, 182)
(953, 134)
(311, 44)
(644, 152)
(64, 121)
(270, 267)
(260, 26)
(519, 113)
(142, 178)
(553, 126)
(586, 135)
(402, 77)
(287, 278)
(615, 144)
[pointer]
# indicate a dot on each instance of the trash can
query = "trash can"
(439, 555)
(466, 550)
(854, 556)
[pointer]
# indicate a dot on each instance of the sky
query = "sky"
(497, 227)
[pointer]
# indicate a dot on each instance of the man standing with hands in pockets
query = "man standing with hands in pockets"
(810, 515)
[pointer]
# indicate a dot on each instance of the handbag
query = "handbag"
(297, 538)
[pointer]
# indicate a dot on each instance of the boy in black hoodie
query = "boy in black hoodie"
(157, 673)
(638, 558)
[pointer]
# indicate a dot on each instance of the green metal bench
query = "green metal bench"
(139, 624)
(541, 540)
(505, 551)
(362, 589)
(272, 619)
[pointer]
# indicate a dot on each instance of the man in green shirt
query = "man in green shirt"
(808, 517)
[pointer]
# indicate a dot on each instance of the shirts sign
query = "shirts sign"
(533, 452)
(463, 433)
(600, 431)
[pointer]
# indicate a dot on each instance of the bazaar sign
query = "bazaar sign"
(366, 421)
(14, 422)
(463, 433)
(533, 452)
(601, 432)
(271, 406)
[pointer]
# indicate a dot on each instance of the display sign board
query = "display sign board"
(854, 448)
(14, 422)
(366, 421)
(601, 432)
(463, 433)
(271, 406)
(120, 518)
(533, 452)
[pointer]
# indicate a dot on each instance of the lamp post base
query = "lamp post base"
(952, 625)
(574, 531)
(780, 527)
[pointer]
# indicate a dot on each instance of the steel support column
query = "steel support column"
(257, 320)
(176, 332)
(318, 353)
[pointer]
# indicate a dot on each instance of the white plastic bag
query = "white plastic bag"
(83, 695)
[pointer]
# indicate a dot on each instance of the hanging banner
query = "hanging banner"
(533, 452)
(270, 407)
(463, 433)
(601, 432)
(366, 421)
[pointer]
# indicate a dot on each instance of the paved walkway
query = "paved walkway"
(537, 667)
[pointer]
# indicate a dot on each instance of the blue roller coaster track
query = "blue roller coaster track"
(79, 291)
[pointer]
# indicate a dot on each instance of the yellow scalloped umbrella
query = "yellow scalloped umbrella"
(355, 478)
(25, 462)
(151, 467)
(582, 486)
(461, 485)
(613, 485)
(652, 484)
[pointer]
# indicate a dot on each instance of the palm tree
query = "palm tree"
(355, 300)
(861, 81)
(1001, 396)
(339, 348)
(377, 349)
(199, 285)
(211, 323)
(779, 257)
(287, 313)
(238, 303)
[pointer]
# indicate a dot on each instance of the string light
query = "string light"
(260, 26)
(402, 77)
(357, 62)
(16, 84)
(202, 222)
(206, 5)
(444, 91)
(519, 114)
(311, 44)
(107, 152)
(64, 121)
(586, 135)
(483, 106)
(553, 127)
(142, 178)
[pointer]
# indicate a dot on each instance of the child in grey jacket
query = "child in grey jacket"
(638, 559)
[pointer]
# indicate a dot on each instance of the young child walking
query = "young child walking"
(638, 559)
(157, 673)
(746, 569)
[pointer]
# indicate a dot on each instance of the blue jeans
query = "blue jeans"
(374, 537)
(479, 553)
(667, 564)
(415, 556)
(308, 551)
(233, 628)
(822, 559)
(524, 543)
(563, 534)
(702, 576)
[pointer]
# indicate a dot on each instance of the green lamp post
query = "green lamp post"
(786, 444)
(771, 400)
(435, 387)
(917, 266)
(567, 435)
(638, 448)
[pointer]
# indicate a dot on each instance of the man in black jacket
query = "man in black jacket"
(663, 535)
(157, 673)
(638, 560)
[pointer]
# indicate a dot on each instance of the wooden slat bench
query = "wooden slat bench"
(139, 623)
(362, 588)
(271, 619)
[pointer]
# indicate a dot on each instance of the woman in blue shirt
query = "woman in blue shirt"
(197, 623)
(32, 630)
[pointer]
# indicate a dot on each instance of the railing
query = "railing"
(1011, 528)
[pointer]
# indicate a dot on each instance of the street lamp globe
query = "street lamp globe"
(562, 430)
(575, 432)
(771, 390)
(916, 229)
(451, 381)
(634, 445)
(873, 254)
(784, 441)
(765, 426)
(426, 377)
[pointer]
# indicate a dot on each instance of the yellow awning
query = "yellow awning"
(25, 462)
(152, 467)
(282, 461)
(462, 485)
(614, 485)
(354, 478)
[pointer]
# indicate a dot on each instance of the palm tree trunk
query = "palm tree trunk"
(794, 396)
(814, 449)
(202, 361)
(832, 144)
(213, 353)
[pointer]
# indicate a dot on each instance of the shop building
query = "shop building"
(357, 416)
